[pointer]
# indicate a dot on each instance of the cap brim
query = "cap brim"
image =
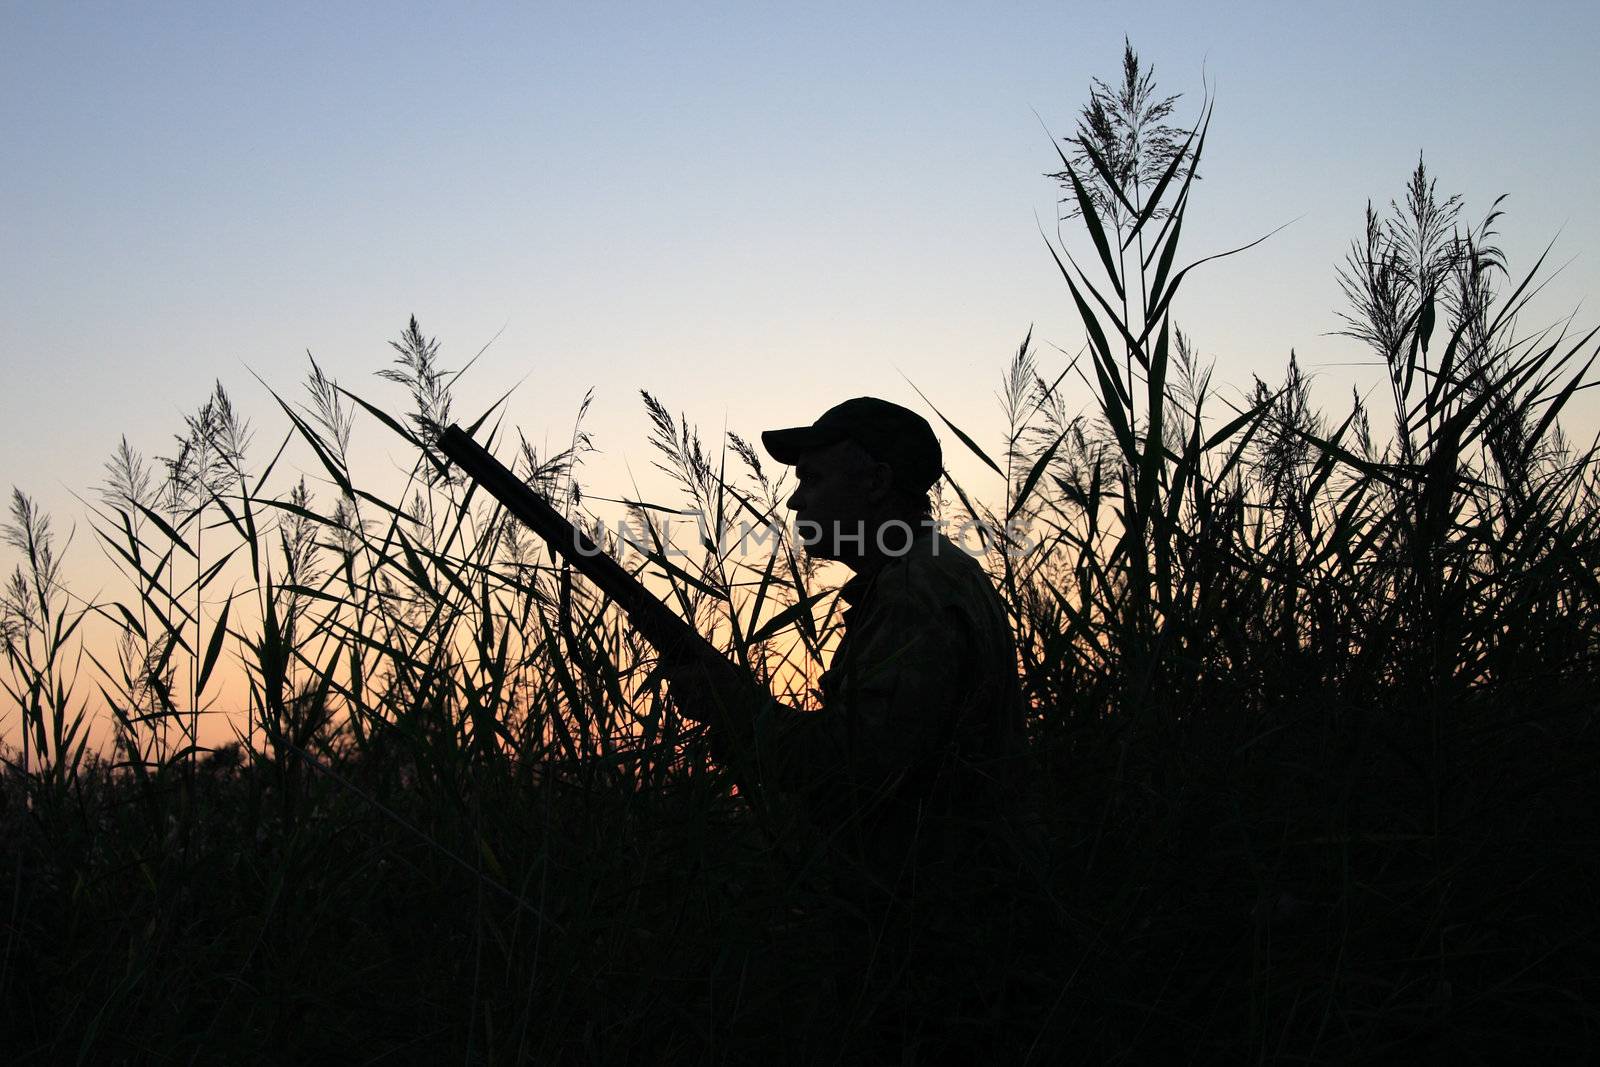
(787, 446)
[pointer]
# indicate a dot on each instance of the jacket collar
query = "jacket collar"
(856, 589)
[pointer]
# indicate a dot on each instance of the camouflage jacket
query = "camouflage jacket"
(918, 751)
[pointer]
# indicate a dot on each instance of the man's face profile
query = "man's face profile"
(840, 492)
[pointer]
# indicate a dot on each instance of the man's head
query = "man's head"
(863, 463)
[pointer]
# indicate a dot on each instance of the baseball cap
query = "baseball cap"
(890, 434)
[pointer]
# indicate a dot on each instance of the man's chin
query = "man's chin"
(814, 547)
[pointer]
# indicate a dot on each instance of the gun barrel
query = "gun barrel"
(659, 625)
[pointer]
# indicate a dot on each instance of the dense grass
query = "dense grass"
(1312, 703)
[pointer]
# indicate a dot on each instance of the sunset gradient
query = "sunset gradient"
(749, 211)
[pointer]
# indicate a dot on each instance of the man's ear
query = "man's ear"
(880, 480)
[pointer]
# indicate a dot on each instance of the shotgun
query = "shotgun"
(678, 643)
(675, 639)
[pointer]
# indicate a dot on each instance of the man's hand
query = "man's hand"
(690, 681)
(709, 689)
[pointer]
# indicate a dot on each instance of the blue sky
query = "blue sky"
(750, 210)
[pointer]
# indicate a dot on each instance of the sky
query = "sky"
(750, 210)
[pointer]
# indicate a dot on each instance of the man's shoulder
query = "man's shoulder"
(937, 573)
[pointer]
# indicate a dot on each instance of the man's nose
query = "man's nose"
(795, 500)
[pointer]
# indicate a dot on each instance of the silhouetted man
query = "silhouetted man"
(914, 766)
